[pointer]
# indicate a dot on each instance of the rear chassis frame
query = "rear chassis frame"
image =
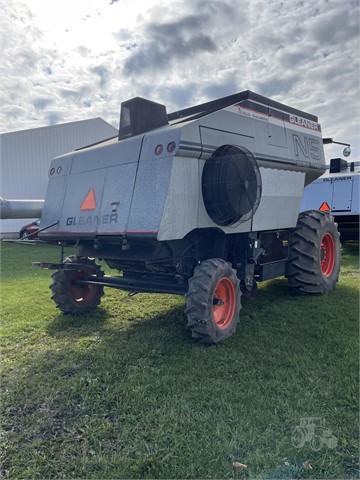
(148, 265)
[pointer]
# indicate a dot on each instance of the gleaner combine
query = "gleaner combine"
(338, 193)
(203, 202)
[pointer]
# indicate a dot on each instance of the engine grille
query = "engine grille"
(275, 246)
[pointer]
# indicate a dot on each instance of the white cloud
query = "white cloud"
(70, 60)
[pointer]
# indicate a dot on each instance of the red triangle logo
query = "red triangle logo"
(89, 202)
(324, 207)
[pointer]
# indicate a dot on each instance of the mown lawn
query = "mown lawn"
(126, 393)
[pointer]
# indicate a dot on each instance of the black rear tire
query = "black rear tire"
(213, 301)
(314, 261)
(71, 298)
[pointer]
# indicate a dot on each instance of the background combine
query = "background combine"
(337, 192)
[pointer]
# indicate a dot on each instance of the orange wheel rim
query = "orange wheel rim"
(327, 252)
(225, 302)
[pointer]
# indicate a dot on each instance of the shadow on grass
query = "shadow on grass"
(77, 325)
(124, 392)
(270, 293)
(137, 389)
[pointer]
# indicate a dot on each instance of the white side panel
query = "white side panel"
(282, 192)
(185, 210)
(342, 195)
(181, 208)
(341, 190)
(213, 139)
(316, 194)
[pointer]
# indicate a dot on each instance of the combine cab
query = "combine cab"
(203, 202)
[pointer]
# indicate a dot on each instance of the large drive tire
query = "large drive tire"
(71, 298)
(314, 260)
(213, 301)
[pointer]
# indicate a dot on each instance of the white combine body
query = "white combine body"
(203, 202)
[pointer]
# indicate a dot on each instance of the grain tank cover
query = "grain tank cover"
(139, 115)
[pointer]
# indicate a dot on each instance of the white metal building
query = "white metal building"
(25, 157)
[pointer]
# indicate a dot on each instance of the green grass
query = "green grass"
(124, 392)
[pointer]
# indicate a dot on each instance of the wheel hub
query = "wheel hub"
(224, 303)
(80, 293)
(327, 254)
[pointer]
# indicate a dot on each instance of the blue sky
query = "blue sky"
(72, 60)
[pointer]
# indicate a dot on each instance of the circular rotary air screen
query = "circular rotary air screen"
(231, 185)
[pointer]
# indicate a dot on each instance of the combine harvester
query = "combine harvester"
(337, 192)
(203, 202)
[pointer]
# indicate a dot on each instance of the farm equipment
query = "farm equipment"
(203, 202)
(337, 192)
